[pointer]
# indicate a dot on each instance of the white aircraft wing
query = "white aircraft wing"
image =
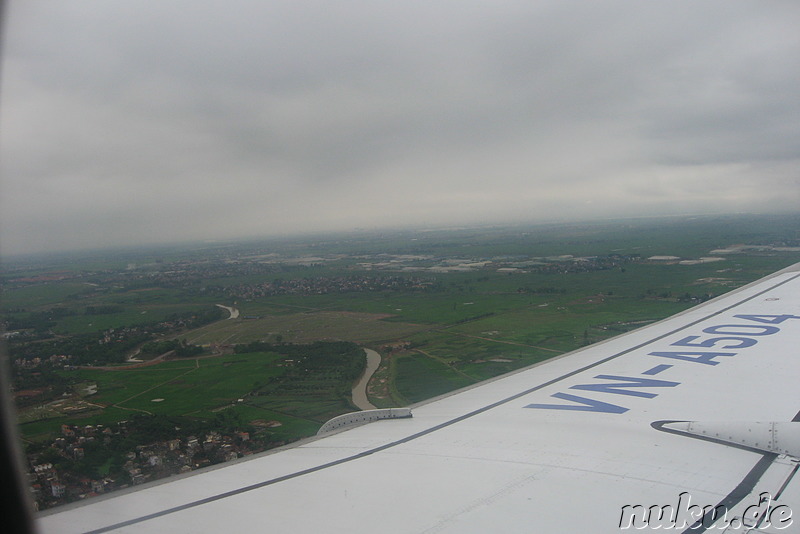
(641, 431)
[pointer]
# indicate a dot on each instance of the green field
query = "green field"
(197, 387)
(421, 377)
(361, 328)
(573, 285)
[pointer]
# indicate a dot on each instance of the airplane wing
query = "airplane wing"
(661, 427)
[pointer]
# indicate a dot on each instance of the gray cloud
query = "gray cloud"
(182, 120)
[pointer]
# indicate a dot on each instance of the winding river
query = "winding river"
(360, 389)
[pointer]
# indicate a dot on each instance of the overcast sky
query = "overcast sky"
(127, 122)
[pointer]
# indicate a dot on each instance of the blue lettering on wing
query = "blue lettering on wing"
(583, 405)
(769, 319)
(730, 336)
(627, 382)
(706, 358)
(657, 369)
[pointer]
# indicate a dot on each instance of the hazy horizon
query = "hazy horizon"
(191, 121)
(314, 237)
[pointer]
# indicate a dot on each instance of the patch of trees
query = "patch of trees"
(84, 348)
(105, 309)
(197, 318)
(474, 318)
(39, 321)
(544, 290)
(314, 367)
(688, 297)
(112, 346)
(179, 347)
(43, 378)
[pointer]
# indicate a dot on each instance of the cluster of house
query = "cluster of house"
(325, 285)
(52, 485)
(56, 360)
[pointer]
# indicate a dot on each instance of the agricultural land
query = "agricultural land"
(130, 365)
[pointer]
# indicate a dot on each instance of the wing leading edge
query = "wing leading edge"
(587, 442)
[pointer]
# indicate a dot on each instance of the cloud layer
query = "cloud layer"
(124, 123)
